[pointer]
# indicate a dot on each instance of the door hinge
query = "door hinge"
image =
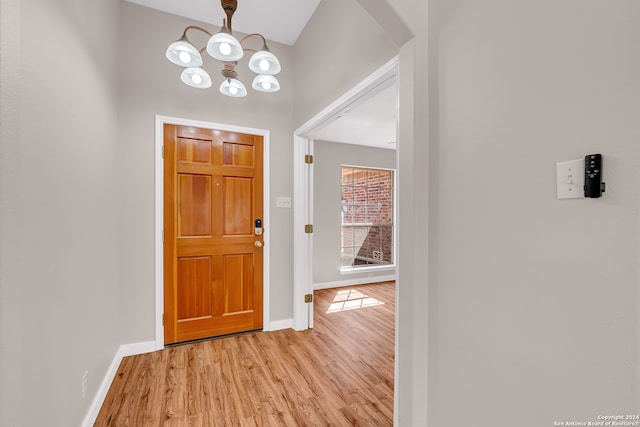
(308, 298)
(308, 159)
(163, 151)
(308, 228)
(162, 236)
(162, 319)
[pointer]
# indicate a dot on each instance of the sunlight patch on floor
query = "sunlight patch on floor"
(351, 299)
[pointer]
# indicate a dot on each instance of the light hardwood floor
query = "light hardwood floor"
(338, 374)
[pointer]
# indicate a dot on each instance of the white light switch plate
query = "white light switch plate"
(283, 202)
(570, 179)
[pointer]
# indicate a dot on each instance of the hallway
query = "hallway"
(339, 373)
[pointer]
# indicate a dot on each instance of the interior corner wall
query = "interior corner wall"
(60, 219)
(416, 194)
(328, 158)
(340, 46)
(150, 85)
(327, 65)
(9, 196)
(537, 300)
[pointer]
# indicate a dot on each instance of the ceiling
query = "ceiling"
(370, 122)
(279, 20)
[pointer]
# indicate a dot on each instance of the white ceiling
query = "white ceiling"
(279, 20)
(371, 122)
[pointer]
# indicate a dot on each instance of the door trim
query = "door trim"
(159, 213)
(303, 186)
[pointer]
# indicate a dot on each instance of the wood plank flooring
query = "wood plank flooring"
(338, 374)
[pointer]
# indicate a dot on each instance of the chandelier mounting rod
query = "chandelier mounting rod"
(229, 7)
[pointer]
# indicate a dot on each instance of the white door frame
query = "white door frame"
(159, 213)
(303, 186)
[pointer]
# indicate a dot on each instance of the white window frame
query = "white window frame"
(354, 269)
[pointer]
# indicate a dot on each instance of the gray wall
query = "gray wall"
(535, 300)
(158, 90)
(513, 328)
(328, 157)
(77, 221)
(60, 208)
(340, 46)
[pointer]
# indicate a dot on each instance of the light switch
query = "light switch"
(570, 179)
(283, 202)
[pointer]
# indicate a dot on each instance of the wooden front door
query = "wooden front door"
(213, 259)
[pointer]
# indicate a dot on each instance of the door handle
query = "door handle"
(257, 244)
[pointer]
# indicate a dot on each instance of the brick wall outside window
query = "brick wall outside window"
(367, 216)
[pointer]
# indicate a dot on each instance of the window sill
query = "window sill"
(367, 269)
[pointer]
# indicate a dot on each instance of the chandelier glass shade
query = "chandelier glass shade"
(224, 47)
(183, 53)
(196, 77)
(264, 62)
(233, 87)
(265, 83)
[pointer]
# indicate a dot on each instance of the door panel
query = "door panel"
(194, 151)
(194, 201)
(237, 283)
(237, 206)
(238, 154)
(194, 296)
(213, 270)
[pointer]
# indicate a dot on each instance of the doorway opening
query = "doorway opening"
(303, 184)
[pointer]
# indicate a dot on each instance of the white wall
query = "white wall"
(340, 46)
(328, 158)
(59, 208)
(155, 88)
(512, 327)
(416, 245)
(356, 46)
(535, 300)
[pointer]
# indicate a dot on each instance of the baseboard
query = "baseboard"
(277, 325)
(140, 348)
(123, 351)
(354, 282)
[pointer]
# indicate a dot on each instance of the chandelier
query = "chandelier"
(224, 47)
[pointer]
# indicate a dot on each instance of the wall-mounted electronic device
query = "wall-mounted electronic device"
(577, 179)
(593, 185)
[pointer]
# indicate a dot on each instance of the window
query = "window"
(367, 216)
